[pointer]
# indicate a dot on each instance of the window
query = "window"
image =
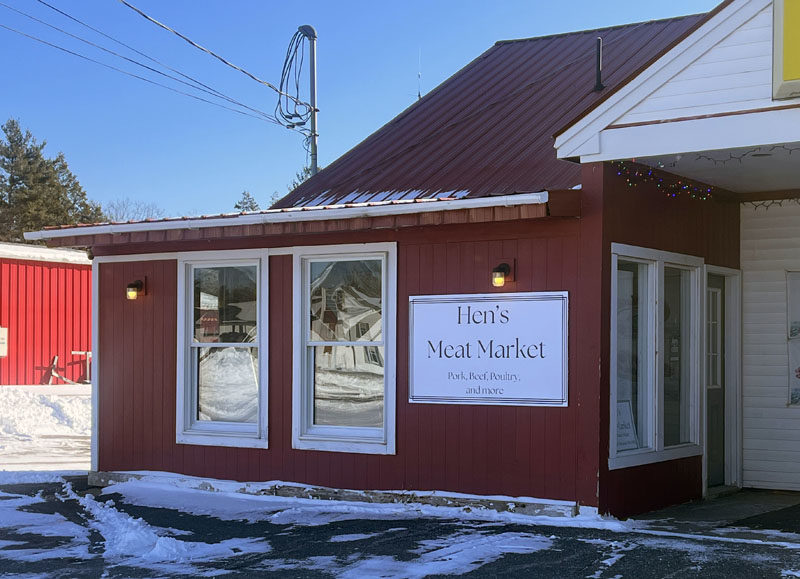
(655, 355)
(344, 389)
(221, 390)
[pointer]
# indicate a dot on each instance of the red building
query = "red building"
(45, 312)
(523, 285)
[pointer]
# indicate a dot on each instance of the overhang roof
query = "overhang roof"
(488, 129)
(28, 252)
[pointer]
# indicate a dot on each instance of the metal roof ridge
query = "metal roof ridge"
(598, 30)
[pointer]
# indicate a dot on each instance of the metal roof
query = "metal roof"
(488, 129)
(341, 211)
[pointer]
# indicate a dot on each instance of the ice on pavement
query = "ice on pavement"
(465, 540)
(453, 555)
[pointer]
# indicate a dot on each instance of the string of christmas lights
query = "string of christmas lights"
(672, 186)
(756, 205)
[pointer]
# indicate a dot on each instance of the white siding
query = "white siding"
(771, 429)
(735, 75)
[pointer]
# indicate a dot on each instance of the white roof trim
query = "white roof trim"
(583, 139)
(300, 214)
(39, 253)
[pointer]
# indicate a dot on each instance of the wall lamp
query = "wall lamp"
(135, 289)
(501, 274)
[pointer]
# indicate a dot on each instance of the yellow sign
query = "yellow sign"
(786, 56)
(791, 40)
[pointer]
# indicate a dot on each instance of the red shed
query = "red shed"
(45, 314)
(463, 303)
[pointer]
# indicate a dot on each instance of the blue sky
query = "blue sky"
(125, 138)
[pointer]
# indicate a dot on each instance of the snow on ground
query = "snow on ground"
(45, 427)
(453, 555)
(133, 542)
(176, 493)
(219, 531)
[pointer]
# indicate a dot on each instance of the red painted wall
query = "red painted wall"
(540, 452)
(645, 216)
(558, 453)
(47, 309)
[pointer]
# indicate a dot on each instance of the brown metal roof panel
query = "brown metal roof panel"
(488, 129)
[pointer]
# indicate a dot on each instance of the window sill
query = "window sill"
(220, 439)
(649, 457)
(337, 445)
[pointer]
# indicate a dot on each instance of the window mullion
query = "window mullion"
(659, 358)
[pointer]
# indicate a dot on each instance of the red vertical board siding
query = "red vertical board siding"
(47, 308)
(474, 449)
(645, 216)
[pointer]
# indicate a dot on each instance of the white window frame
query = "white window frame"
(654, 450)
(210, 433)
(306, 435)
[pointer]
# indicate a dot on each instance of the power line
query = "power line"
(125, 72)
(139, 52)
(210, 91)
(215, 55)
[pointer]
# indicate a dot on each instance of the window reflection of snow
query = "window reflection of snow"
(227, 384)
(348, 386)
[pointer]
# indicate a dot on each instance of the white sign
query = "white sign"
(627, 439)
(506, 349)
(3, 342)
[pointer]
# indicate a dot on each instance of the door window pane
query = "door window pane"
(632, 356)
(677, 362)
(348, 385)
(225, 304)
(227, 384)
(346, 301)
(713, 338)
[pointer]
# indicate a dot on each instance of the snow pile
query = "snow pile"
(25, 414)
(131, 541)
(224, 502)
(43, 429)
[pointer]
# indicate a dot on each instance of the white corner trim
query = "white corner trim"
(94, 464)
(299, 215)
(666, 67)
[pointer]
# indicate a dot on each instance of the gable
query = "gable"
(714, 90)
(733, 75)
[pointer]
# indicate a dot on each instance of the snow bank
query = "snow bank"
(25, 414)
(12, 477)
(42, 429)
(225, 503)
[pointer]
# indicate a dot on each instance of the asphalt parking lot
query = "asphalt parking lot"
(69, 530)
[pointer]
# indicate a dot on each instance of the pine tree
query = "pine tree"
(35, 191)
(246, 203)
